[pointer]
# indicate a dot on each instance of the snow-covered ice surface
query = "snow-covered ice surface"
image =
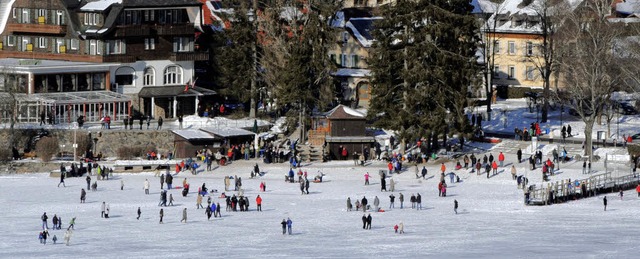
(493, 222)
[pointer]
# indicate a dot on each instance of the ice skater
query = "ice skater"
(161, 215)
(44, 218)
(67, 236)
(139, 212)
(604, 201)
(289, 224)
(184, 215)
(62, 174)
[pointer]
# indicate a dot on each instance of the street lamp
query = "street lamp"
(75, 144)
(561, 113)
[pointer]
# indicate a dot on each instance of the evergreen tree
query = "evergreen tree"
(233, 63)
(296, 39)
(423, 65)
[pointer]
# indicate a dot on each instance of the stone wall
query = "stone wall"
(108, 141)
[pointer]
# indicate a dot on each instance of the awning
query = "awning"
(350, 139)
(228, 132)
(174, 90)
(193, 134)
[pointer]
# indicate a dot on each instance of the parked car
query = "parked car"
(574, 112)
(627, 109)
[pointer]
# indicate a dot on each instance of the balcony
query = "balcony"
(142, 30)
(51, 56)
(189, 56)
(37, 28)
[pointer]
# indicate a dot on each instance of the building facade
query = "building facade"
(146, 50)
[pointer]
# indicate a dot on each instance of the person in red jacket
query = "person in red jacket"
(259, 203)
(221, 109)
(494, 165)
(344, 154)
(638, 190)
(501, 159)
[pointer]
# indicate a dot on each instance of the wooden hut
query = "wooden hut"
(187, 142)
(341, 127)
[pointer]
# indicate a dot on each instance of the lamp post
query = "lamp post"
(75, 144)
(561, 113)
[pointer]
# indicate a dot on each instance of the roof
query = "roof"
(160, 3)
(352, 72)
(193, 134)
(361, 29)
(483, 6)
(99, 5)
(628, 7)
(38, 66)
(228, 132)
(344, 112)
(173, 90)
(71, 97)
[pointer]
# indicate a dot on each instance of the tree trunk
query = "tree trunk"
(403, 143)
(588, 139)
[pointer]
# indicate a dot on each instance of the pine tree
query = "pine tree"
(423, 65)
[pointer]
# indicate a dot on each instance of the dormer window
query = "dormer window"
(91, 19)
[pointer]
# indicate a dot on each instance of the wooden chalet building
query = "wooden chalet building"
(340, 127)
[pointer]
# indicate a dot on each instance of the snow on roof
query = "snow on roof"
(100, 5)
(193, 134)
(343, 112)
(338, 21)
(228, 132)
(483, 6)
(628, 7)
(361, 29)
(4, 15)
(352, 72)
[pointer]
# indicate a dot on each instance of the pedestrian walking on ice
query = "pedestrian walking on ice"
(455, 206)
(139, 212)
(289, 224)
(604, 201)
(284, 226)
(184, 215)
(161, 215)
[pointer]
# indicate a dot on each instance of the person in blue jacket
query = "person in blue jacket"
(289, 223)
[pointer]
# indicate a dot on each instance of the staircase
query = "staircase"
(5, 11)
(310, 153)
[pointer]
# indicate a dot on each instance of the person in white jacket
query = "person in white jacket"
(146, 186)
(67, 236)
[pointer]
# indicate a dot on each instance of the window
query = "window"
(173, 75)
(496, 71)
(116, 47)
(14, 13)
(74, 43)
(42, 13)
(25, 16)
(343, 60)
(59, 17)
(512, 47)
(42, 42)
(149, 43)
(182, 44)
(496, 46)
(95, 47)
(60, 48)
(529, 49)
(26, 44)
(149, 15)
(354, 60)
(530, 73)
(11, 40)
(125, 76)
(149, 77)
(512, 72)
(345, 37)
(91, 19)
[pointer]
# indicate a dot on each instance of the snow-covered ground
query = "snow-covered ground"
(492, 220)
